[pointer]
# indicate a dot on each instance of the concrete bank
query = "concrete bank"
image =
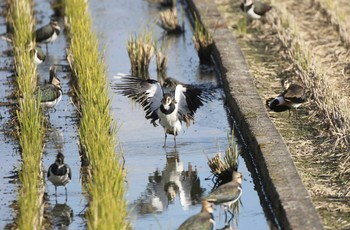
(289, 199)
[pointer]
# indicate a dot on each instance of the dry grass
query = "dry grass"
(282, 48)
(331, 10)
(140, 50)
(222, 167)
(331, 109)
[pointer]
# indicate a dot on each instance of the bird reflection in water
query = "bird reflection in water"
(62, 215)
(54, 139)
(165, 186)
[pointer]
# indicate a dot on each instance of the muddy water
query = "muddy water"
(165, 185)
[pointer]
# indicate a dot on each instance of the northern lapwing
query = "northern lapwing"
(51, 93)
(256, 9)
(59, 173)
(201, 221)
(38, 55)
(170, 102)
(227, 194)
(291, 98)
(48, 33)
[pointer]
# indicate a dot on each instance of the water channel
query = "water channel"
(164, 186)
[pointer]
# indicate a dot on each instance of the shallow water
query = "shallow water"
(164, 186)
(61, 136)
(10, 159)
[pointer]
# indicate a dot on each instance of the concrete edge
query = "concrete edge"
(289, 199)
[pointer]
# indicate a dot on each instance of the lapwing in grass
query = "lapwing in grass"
(59, 173)
(48, 33)
(227, 194)
(201, 221)
(289, 99)
(38, 55)
(170, 102)
(256, 9)
(51, 93)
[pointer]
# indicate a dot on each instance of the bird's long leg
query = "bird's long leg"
(225, 216)
(66, 193)
(56, 191)
(229, 210)
(174, 140)
(165, 140)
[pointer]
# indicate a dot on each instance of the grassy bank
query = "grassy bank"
(278, 49)
(30, 126)
(331, 110)
(97, 130)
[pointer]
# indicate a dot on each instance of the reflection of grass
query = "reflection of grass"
(97, 131)
(203, 42)
(222, 167)
(29, 118)
(140, 49)
(161, 60)
(235, 208)
(169, 21)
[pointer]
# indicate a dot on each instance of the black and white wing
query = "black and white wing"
(69, 171)
(190, 98)
(147, 92)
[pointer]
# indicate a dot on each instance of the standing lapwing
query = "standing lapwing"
(170, 102)
(201, 221)
(289, 99)
(51, 93)
(227, 194)
(256, 9)
(47, 33)
(59, 173)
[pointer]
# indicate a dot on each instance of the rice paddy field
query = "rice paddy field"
(154, 188)
(129, 180)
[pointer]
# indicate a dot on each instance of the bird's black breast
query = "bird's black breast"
(58, 171)
(57, 31)
(167, 111)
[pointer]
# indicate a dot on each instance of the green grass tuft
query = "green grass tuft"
(30, 118)
(97, 130)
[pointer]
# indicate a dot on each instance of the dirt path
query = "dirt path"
(320, 165)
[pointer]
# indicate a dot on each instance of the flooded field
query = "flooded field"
(151, 168)
(164, 185)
